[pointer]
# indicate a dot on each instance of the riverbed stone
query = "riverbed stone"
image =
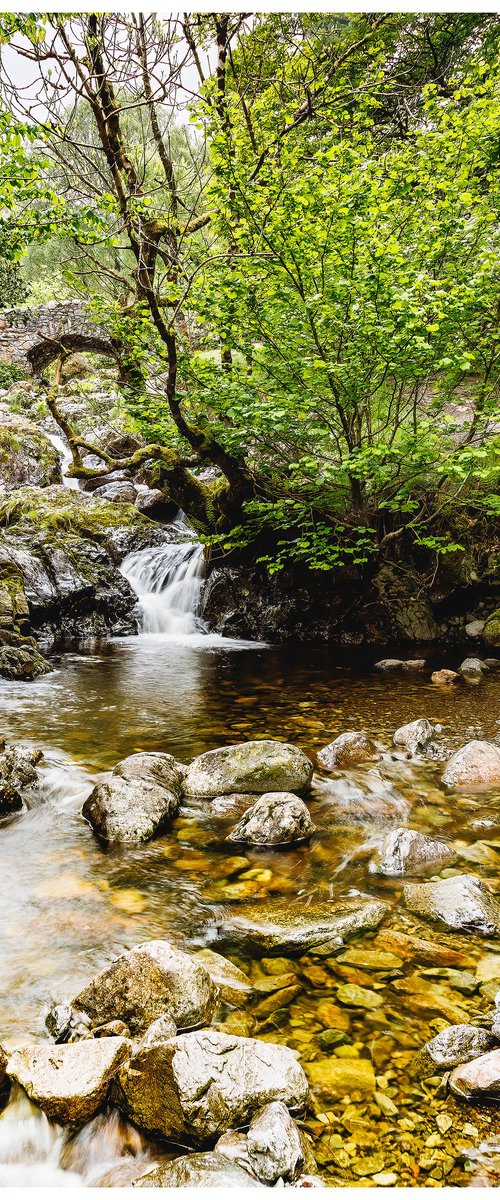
(208, 1170)
(145, 983)
(277, 819)
(348, 750)
(19, 779)
(414, 736)
(234, 986)
(69, 1082)
(475, 765)
(407, 852)
(253, 767)
(284, 927)
(275, 1145)
(145, 1089)
(474, 628)
(472, 669)
(336, 1077)
(390, 664)
(460, 902)
(140, 798)
(479, 1079)
(445, 676)
(453, 1046)
(491, 631)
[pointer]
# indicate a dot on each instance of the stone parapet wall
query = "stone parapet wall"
(67, 322)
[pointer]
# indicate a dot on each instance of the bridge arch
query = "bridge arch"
(27, 335)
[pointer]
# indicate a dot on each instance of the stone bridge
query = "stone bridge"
(23, 334)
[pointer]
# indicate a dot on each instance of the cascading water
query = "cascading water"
(168, 581)
(65, 459)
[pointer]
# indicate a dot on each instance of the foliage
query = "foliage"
(10, 373)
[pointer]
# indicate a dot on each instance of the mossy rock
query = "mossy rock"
(26, 455)
(491, 631)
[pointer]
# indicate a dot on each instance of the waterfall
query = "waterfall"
(65, 458)
(168, 580)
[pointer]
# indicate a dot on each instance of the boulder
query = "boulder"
(348, 750)
(474, 628)
(479, 1079)
(147, 982)
(27, 455)
(285, 927)
(414, 736)
(276, 1148)
(19, 779)
(277, 819)
(140, 798)
(475, 765)
(472, 669)
(209, 1170)
(161, 1030)
(461, 902)
(253, 767)
(453, 1046)
(222, 1080)
(406, 852)
(491, 631)
(233, 985)
(390, 664)
(69, 1082)
(145, 1090)
(445, 676)
(120, 492)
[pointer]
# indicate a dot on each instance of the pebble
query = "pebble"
(358, 997)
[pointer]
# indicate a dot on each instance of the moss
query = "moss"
(491, 631)
(58, 510)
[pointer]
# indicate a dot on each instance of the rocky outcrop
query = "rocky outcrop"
(406, 852)
(26, 454)
(347, 750)
(252, 767)
(453, 1046)
(462, 902)
(475, 765)
(277, 819)
(69, 1082)
(283, 928)
(147, 982)
(415, 736)
(140, 798)
(19, 779)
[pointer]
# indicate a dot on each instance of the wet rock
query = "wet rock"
(491, 631)
(415, 664)
(288, 927)
(453, 1046)
(222, 1080)
(123, 493)
(161, 1030)
(335, 1077)
(461, 902)
(474, 628)
(155, 504)
(20, 781)
(406, 852)
(390, 664)
(69, 1082)
(475, 765)
(147, 982)
(472, 669)
(358, 997)
(445, 676)
(410, 947)
(140, 798)
(275, 1145)
(414, 736)
(348, 750)
(26, 455)
(277, 819)
(4, 1080)
(232, 983)
(145, 1089)
(254, 767)
(209, 1170)
(479, 1079)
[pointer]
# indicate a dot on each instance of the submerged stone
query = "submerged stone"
(407, 852)
(147, 982)
(461, 902)
(348, 750)
(69, 1082)
(254, 767)
(287, 927)
(335, 1077)
(233, 984)
(475, 765)
(277, 819)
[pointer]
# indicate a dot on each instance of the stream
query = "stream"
(67, 906)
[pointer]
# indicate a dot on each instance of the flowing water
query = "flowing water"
(67, 906)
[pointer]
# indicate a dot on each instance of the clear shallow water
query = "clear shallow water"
(67, 906)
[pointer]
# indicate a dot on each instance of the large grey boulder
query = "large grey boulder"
(285, 927)
(407, 852)
(479, 1079)
(414, 736)
(461, 902)
(233, 985)
(145, 1090)
(138, 800)
(472, 669)
(145, 983)
(69, 1082)
(277, 819)
(222, 1080)
(19, 779)
(275, 1146)
(347, 750)
(453, 1046)
(475, 765)
(256, 767)
(209, 1170)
